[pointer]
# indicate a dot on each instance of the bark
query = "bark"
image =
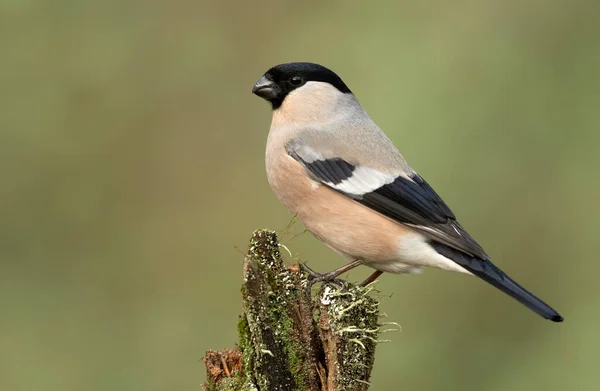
(293, 339)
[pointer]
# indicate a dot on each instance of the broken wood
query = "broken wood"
(291, 339)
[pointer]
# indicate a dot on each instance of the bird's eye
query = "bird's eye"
(296, 80)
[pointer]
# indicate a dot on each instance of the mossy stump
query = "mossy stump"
(290, 339)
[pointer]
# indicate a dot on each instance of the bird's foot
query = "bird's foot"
(371, 279)
(314, 277)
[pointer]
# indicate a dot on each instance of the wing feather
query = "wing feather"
(409, 200)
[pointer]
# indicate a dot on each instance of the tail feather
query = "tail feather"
(490, 273)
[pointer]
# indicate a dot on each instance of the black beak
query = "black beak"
(265, 88)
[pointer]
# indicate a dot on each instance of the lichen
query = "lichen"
(350, 316)
(291, 340)
(271, 290)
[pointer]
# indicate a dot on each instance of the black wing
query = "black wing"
(411, 201)
(408, 200)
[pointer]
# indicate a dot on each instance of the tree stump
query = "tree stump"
(291, 339)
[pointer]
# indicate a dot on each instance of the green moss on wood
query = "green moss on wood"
(282, 356)
(245, 346)
(349, 328)
(287, 340)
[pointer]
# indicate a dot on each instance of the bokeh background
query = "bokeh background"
(132, 164)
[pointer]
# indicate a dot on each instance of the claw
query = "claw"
(314, 277)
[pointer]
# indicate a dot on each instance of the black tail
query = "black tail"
(489, 272)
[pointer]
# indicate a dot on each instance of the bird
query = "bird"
(333, 168)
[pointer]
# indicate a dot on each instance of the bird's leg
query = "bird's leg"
(371, 278)
(315, 277)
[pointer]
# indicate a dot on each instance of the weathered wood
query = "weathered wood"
(348, 329)
(290, 340)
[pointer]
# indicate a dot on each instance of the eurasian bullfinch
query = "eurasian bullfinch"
(331, 166)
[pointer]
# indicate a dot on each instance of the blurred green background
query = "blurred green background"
(133, 162)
